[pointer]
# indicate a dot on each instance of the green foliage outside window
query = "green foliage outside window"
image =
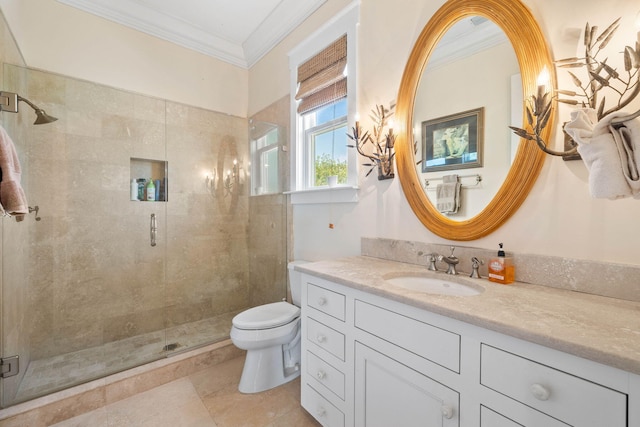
(326, 166)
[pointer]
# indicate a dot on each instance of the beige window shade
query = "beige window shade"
(321, 79)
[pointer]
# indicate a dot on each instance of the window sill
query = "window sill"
(338, 194)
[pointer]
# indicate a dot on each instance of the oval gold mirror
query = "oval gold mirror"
(530, 48)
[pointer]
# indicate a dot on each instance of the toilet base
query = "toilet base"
(264, 369)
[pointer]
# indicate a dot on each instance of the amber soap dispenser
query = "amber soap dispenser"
(501, 268)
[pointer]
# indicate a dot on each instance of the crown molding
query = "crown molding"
(287, 15)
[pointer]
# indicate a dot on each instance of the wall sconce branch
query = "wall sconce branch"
(383, 144)
(603, 79)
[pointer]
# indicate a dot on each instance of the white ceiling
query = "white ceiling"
(239, 32)
(467, 37)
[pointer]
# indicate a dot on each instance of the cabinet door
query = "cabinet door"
(389, 393)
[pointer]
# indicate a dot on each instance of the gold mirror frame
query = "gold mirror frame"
(530, 47)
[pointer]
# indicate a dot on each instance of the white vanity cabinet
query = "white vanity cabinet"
(372, 361)
(327, 369)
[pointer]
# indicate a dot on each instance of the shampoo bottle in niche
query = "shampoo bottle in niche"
(134, 190)
(501, 268)
(151, 191)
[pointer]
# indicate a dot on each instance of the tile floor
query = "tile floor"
(207, 398)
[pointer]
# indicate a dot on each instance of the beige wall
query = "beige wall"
(558, 218)
(61, 39)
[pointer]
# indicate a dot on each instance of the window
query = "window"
(323, 99)
(325, 143)
(264, 162)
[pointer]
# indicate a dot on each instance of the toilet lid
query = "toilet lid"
(266, 316)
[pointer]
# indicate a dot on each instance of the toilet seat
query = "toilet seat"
(266, 316)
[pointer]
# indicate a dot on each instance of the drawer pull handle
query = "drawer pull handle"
(322, 301)
(540, 392)
(447, 411)
(321, 374)
(321, 412)
(321, 338)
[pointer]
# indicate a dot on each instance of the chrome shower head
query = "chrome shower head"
(41, 116)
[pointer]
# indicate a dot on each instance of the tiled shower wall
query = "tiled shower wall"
(94, 277)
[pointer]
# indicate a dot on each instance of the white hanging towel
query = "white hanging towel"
(612, 161)
(12, 198)
(627, 139)
(448, 194)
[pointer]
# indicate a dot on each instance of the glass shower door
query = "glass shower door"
(86, 293)
(83, 285)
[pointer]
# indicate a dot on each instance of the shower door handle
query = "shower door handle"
(153, 229)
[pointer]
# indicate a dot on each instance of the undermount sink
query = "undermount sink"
(434, 285)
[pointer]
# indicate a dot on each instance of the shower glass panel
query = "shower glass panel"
(84, 292)
(265, 148)
(268, 206)
(93, 288)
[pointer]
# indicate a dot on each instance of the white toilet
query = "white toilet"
(271, 335)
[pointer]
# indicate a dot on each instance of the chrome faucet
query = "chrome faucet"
(431, 259)
(475, 265)
(451, 261)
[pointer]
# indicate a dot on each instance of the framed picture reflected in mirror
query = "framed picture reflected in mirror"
(453, 142)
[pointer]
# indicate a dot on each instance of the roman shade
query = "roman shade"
(321, 79)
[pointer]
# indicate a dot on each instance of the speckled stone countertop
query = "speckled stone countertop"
(600, 329)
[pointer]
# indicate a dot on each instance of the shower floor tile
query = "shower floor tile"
(45, 376)
(208, 398)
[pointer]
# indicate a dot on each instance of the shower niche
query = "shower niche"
(148, 180)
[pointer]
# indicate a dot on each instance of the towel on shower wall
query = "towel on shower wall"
(600, 153)
(12, 197)
(448, 195)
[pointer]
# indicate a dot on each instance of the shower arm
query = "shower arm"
(9, 102)
(31, 104)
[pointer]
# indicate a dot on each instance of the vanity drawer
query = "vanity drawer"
(489, 418)
(573, 400)
(525, 417)
(321, 409)
(326, 374)
(326, 301)
(325, 337)
(425, 340)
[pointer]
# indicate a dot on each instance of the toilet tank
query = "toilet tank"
(295, 281)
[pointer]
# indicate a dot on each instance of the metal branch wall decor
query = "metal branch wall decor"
(602, 79)
(382, 153)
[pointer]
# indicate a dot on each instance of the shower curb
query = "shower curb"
(59, 406)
